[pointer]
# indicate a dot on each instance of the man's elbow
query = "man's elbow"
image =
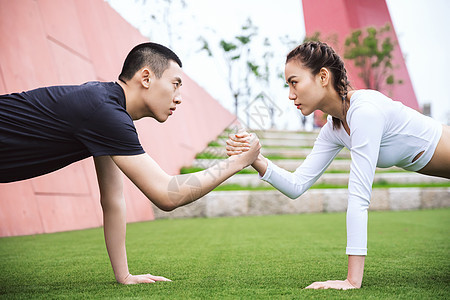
(166, 205)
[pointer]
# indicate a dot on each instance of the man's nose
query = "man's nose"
(177, 99)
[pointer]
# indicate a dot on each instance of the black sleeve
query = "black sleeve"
(109, 130)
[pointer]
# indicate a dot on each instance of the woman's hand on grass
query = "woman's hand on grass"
(331, 284)
(146, 278)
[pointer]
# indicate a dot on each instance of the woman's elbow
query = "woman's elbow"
(294, 193)
(293, 196)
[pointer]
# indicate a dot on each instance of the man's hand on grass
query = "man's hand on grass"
(331, 284)
(146, 278)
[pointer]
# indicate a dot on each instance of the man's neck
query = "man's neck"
(129, 99)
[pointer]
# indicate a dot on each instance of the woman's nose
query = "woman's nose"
(292, 96)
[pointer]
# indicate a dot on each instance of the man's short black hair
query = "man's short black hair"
(152, 55)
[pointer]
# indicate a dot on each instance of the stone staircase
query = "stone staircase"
(288, 149)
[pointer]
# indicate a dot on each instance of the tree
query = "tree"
(159, 21)
(242, 68)
(372, 54)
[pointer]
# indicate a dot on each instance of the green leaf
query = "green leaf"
(205, 46)
(243, 39)
(227, 47)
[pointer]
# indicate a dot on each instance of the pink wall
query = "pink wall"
(47, 42)
(340, 17)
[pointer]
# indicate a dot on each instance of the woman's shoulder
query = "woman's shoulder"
(368, 104)
(364, 98)
(366, 94)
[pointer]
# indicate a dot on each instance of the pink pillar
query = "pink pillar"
(339, 18)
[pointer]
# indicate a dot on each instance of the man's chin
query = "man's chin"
(162, 119)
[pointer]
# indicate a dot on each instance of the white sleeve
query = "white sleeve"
(295, 184)
(366, 124)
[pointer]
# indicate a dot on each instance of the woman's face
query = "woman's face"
(305, 89)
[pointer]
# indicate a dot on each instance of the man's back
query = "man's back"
(48, 128)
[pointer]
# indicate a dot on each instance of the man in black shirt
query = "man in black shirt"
(48, 128)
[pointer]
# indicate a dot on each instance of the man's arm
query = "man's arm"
(169, 192)
(114, 221)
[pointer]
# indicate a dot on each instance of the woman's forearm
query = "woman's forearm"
(355, 270)
(260, 165)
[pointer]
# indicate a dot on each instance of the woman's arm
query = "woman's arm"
(354, 276)
(293, 184)
(366, 124)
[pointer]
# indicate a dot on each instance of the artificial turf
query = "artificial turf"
(264, 257)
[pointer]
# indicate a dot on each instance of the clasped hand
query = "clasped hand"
(240, 142)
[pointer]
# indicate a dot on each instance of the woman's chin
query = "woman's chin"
(305, 112)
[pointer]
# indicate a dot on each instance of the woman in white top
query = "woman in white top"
(377, 130)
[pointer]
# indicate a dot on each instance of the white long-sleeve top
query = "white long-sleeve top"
(383, 133)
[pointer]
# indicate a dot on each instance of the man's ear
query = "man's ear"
(145, 77)
(324, 76)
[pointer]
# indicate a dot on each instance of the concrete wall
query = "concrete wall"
(271, 202)
(47, 42)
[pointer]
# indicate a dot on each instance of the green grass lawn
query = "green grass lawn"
(267, 257)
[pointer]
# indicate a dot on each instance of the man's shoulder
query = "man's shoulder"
(93, 88)
(104, 91)
(93, 93)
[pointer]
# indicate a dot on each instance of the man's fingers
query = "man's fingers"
(241, 149)
(235, 152)
(237, 144)
(244, 139)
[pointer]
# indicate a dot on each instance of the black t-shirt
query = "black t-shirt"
(45, 129)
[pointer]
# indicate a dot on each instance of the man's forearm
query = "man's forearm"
(114, 219)
(186, 188)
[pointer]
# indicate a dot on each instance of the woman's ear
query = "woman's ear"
(324, 75)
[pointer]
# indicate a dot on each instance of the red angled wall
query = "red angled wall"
(338, 18)
(48, 42)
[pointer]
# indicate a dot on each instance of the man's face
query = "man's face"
(164, 94)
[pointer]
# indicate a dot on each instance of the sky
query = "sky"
(422, 27)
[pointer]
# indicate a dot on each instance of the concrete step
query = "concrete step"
(281, 138)
(252, 180)
(293, 164)
(276, 135)
(281, 142)
(253, 203)
(288, 153)
(281, 134)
